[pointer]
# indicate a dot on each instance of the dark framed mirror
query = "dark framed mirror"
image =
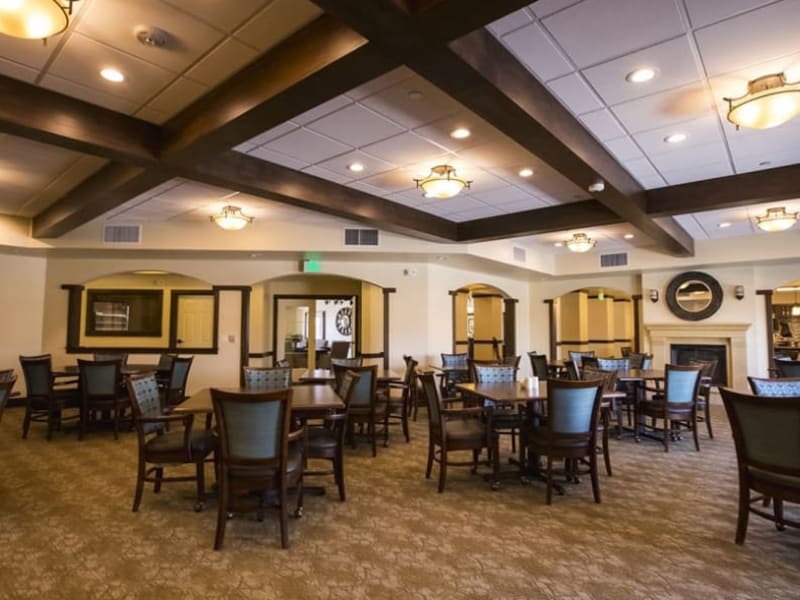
(694, 296)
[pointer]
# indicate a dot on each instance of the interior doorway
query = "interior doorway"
(484, 322)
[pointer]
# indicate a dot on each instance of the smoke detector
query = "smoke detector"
(152, 37)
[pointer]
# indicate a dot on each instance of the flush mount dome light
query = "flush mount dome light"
(770, 101)
(34, 19)
(231, 218)
(580, 242)
(776, 219)
(442, 182)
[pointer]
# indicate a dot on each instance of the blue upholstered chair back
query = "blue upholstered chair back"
(38, 373)
(364, 389)
(455, 361)
(252, 425)
(613, 364)
(784, 386)
(681, 384)
(431, 391)
(578, 356)
(145, 400)
(571, 410)
(99, 378)
(539, 364)
(495, 374)
(638, 360)
(267, 379)
(348, 362)
(180, 372)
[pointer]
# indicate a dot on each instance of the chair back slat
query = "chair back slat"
(609, 378)
(455, 361)
(780, 387)
(431, 391)
(579, 356)
(122, 357)
(613, 364)
(6, 385)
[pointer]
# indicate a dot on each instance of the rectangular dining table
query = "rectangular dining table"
(306, 376)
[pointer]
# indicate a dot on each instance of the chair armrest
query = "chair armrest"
(462, 412)
(297, 434)
(398, 385)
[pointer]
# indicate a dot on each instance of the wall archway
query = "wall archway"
(484, 321)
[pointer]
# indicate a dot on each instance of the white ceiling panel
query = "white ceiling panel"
(534, 48)
(223, 61)
(18, 71)
(511, 22)
(529, 203)
(690, 157)
(322, 173)
(603, 125)
(504, 195)
(691, 226)
(404, 149)
(307, 146)
(272, 134)
(31, 53)
(380, 83)
(684, 173)
(340, 164)
(178, 95)
(624, 149)
(264, 153)
(666, 108)
(277, 21)
(439, 132)
(703, 12)
(613, 27)
(220, 14)
(323, 109)
(673, 61)
(82, 92)
(412, 198)
(411, 103)
(542, 8)
(356, 126)
(476, 213)
(391, 181)
(705, 130)
(644, 172)
(575, 94)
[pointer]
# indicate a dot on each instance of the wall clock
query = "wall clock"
(344, 321)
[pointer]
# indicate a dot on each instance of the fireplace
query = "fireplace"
(683, 354)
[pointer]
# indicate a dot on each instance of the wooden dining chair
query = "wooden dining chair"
(366, 407)
(677, 405)
(775, 387)
(505, 419)
(539, 365)
(175, 390)
(267, 378)
(44, 401)
(99, 387)
(6, 385)
(708, 368)
(398, 395)
(608, 406)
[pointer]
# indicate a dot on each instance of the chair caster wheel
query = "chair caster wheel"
(298, 514)
(199, 507)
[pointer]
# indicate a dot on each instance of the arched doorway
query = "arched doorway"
(484, 322)
(784, 318)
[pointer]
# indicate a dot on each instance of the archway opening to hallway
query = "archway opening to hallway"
(484, 322)
(784, 325)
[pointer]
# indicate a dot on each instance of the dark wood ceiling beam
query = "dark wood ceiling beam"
(107, 189)
(447, 20)
(251, 175)
(41, 115)
(768, 185)
(575, 215)
(319, 62)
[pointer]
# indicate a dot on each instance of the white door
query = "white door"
(195, 321)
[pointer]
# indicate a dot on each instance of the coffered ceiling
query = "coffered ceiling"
(274, 100)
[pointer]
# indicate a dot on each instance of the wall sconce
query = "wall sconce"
(738, 292)
(653, 295)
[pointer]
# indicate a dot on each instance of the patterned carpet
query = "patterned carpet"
(664, 530)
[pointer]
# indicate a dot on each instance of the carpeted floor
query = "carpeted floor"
(664, 530)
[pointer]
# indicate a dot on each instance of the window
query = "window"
(135, 313)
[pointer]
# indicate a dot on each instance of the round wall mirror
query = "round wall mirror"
(694, 296)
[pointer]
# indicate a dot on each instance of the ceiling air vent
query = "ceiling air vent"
(122, 234)
(520, 255)
(614, 260)
(360, 237)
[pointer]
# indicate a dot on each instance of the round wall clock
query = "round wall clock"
(343, 321)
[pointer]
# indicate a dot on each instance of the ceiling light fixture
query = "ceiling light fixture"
(795, 306)
(231, 218)
(526, 172)
(113, 75)
(580, 242)
(34, 19)
(769, 101)
(723, 225)
(628, 236)
(641, 75)
(460, 133)
(356, 167)
(442, 182)
(676, 138)
(776, 219)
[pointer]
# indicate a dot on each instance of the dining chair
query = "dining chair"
(505, 418)
(677, 405)
(580, 355)
(6, 385)
(326, 438)
(44, 401)
(366, 407)
(455, 370)
(99, 387)
(175, 390)
(257, 453)
(775, 387)
(267, 378)
(539, 365)
(609, 405)
(454, 430)
(767, 454)
(160, 445)
(708, 368)
(787, 368)
(569, 431)
(122, 357)
(355, 361)
(283, 363)
(398, 397)
(639, 360)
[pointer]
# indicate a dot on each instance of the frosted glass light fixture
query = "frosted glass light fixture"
(442, 182)
(770, 101)
(232, 218)
(580, 242)
(34, 19)
(776, 219)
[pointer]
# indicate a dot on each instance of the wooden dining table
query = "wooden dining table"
(311, 376)
(127, 369)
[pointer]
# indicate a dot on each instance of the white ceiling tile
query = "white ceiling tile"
(114, 22)
(365, 187)
(612, 28)
(411, 198)
(81, 60)
(403, 149)
(673, 61)
(31, 53)
(650, 182)
(63, 182)
(624, 149)
(412, 103)
(220, 14)
(754, 37)
(69, 88)
(10, 68)
(223, 61)
(372, 165)
(307, 146)
(449, 206)
(642, 169)
(510, 22)
(536, 51)
(477, 213)
(390, 182)
(498, 154)
(705, 130)
(691, 157)
(697, 172)
(271, 134)
(602, 124)
(355, 126)
(439, 131)
(665, 108)
(573, 93)
(503, 195)
(703, 12)
(278, 158)
(529, 203)
(276, 22)
(318, 171)
(381, 82)
(764, 144)
(542, 8)
(155, 116)
(323, 109)
(482, 180)
(177, 96)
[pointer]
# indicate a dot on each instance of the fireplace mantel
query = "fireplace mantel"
(731, 335)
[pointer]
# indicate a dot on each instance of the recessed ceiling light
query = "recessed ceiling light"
(723, 225)
(559, 244)
(526, 172)
(414, 95)
(676, 138)
(641, 75)
(460, 133)
(356, 167)
(628, 236)
(112, 75)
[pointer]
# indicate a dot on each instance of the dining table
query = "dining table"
(126, 369)
(639, 378)
(316, 376)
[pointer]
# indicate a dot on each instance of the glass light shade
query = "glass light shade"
(769, 102)
(580, 242)
(796, 310)
(776, 219)
(442, 182)
(231, 218)
(34, 19)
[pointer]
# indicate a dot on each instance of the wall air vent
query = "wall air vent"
(360, 237)
(122, 234)
(614, 260)
(520, 255)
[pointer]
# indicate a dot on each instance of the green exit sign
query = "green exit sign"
(311, 265)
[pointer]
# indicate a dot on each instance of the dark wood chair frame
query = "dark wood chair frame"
(364, 414)
(673, 414)
(114, 402)
(46, 405)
